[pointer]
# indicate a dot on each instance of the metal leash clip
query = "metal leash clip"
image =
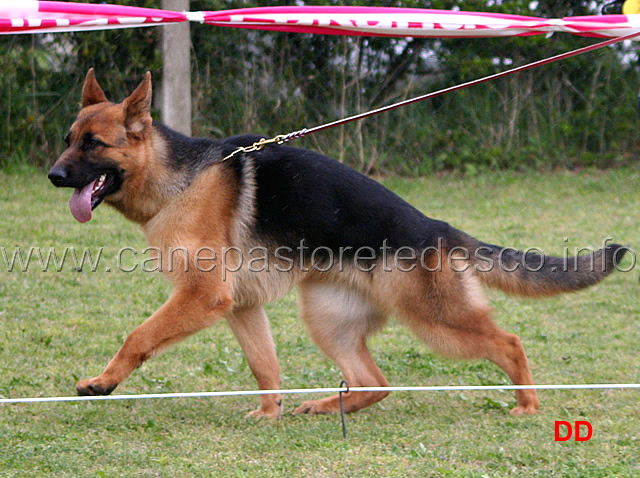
(258, 145)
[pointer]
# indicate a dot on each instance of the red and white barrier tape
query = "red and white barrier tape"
(30, 16)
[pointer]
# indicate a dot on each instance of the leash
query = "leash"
(285, 138)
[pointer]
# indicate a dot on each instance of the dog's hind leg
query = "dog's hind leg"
(339, 321)
(187, 311)
(456, 322)
(492, 343)
(251, 328)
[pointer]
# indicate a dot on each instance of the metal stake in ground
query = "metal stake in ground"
(343, 384)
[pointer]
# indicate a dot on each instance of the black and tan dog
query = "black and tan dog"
(248, 229)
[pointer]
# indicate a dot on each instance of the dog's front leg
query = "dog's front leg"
(251, 328)
(187, 311)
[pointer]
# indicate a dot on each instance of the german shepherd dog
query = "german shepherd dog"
(282, 217)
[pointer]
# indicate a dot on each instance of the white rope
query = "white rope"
(451, 388)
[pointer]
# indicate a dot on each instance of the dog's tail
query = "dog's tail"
(532, 274)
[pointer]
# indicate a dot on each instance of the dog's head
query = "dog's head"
(107, 146)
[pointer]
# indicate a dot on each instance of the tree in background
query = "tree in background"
(581, 111)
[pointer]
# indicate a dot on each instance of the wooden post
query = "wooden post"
(175, 91)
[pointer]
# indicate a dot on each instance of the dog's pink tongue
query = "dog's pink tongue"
(80, 202)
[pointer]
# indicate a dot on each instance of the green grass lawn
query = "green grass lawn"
(57, 327)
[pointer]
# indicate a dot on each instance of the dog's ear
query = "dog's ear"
(137, 107)
(91, 91)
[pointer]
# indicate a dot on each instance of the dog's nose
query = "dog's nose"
(57, 175)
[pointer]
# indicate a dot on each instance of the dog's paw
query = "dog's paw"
(273, 414)
(94, 386)
(316, 407)
(272, 410)
(524, 410)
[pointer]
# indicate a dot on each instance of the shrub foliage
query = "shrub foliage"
(578, 112)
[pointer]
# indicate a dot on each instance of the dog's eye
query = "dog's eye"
(67, 140)
(90, 143)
